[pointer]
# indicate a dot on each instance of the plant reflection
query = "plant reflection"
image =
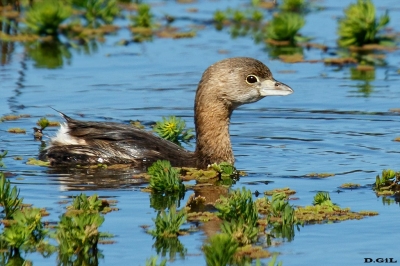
(171, 246)
(162, 201)
(366, 75)
(48, 54)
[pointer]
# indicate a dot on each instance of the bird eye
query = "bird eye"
(251, 79)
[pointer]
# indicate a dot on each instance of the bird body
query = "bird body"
(223, 87)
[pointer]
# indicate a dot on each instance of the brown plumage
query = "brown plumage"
(223, 87)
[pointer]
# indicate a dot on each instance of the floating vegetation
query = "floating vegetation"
(323, 199)
(173, 129)
(283, 28)
(137, 124)
(350, 185)
(164, 178)
(292, 58)
(16, 130)
(201, 216)
(44, 17)
(225, 170)
(360, 25)
(340, 61)
(320, 175)
(324, 210)
(12, 117)
(33, 161)
(388, 183)
(168, 223)
(285, 190)
(198, 174)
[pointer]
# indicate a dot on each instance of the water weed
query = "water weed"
(168, 223)
(388, 183)
(238, 205)
(173, 129)
(284, 27)
(144, 17)
(164, 178)
(44, 17)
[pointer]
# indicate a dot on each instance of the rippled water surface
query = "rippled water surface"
(333, 123)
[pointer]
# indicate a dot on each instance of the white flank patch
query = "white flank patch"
(64, 138)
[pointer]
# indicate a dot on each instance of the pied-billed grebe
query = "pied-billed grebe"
(223, 87)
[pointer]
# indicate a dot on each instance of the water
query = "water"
(331, 124)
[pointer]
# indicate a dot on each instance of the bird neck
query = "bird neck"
(213, 143)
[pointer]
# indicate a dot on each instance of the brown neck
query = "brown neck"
(213, 143)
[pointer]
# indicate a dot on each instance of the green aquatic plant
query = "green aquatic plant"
(168, 223)
(323, 199)
(43, 123)
(9, 197)
(280, 207)
(173, 129)
(284, 27)
(44, 17)
(144, 17)
(360, 25)
(388, 183)
(225, 170)
(293, 5)
(97, 12)
(27, 232)
(85, 203)
(220, 250)
(78, 234)
(238, 205)
(281, 220)
(164, 177)
(239, 230)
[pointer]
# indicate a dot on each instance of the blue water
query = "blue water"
(327, 126)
